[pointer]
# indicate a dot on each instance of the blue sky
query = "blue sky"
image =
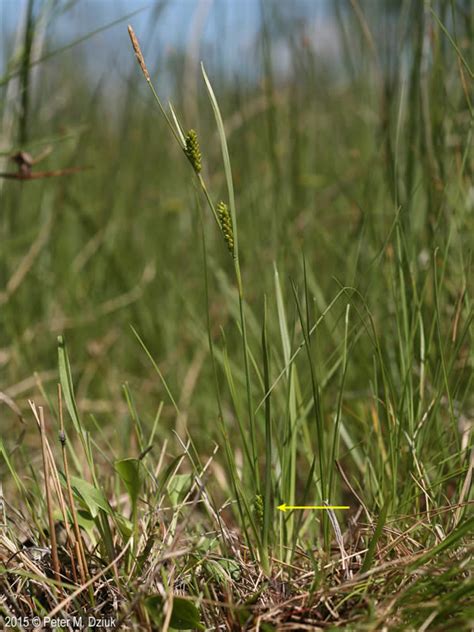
(214, 31)
(234, 21)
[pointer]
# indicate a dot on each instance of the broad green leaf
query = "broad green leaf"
(223, 570)
(124, 525)
(185, 615)
(154, 606)
(92, 497)
(177, 487)
(164, 476)
(131, 473)
(85, 520)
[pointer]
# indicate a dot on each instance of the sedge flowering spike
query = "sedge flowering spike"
(138, 53)
(258, 508)
(225, 222)
(193, 151)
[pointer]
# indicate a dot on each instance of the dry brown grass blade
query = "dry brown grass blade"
(79, 545)
(39, 416)
(38, 175)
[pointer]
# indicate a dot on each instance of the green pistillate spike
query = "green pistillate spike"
(225, 222)
(192, 150)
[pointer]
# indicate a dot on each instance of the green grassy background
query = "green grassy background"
(353, 179)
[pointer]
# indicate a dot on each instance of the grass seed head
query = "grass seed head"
(193, 151)
(225, 222)
(138, 53)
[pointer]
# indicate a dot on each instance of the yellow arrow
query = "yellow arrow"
(285, 507)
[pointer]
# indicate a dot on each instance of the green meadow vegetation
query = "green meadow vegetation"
(254, 297)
